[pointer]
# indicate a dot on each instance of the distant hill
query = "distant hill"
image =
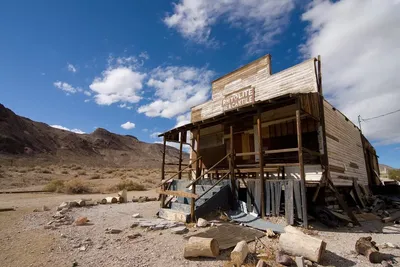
(382, 166)
(29, 141)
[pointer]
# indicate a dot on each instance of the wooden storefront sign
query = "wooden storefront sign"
(238, 98)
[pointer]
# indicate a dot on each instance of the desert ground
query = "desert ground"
(24, 241)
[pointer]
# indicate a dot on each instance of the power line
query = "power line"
(389, 113)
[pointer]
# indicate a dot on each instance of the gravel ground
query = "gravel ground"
(25, 242)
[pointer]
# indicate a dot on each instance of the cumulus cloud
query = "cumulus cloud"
(261, 19)
(128, 125)
(71, 68)
(88, 93)
(359, 44)
(144, 55)
(155, 135)
(78, 131)
(120, 84)
(177, 89)
(66, 87)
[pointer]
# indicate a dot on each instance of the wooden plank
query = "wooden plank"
(278, 192)
(261, 161)
(275, 151)
(268, 198)
(290, 207)
(176, 193)
(272, 188)
(180, 155)
(246, 154)
(250, 186)
(297, 198)
(198, 173)
(302, 172)
(394, 216)
(162, 198)
(359, 194)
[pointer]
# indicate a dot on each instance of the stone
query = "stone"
(270, 233)
(51, 227)
(262, 263)
(63, 211)
(81, 221)
(308, 262)
(113, 231)
(45, 208)
(77, 245)
(300, 262)
(82, 248)
(142, 199)
(63, 205)
(135, 224)
(136, 215)
(73, 204)
(386, 264)
(133, 236)
(179, 230)
(350, 225)
(63, 235)
(135, 199)
(35, 210)
(284, 259)
(158, 227)
(201, 222)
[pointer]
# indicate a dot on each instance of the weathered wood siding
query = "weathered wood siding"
(297, 79)
(345, 151)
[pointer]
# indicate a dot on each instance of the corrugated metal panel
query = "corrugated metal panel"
(345, 151)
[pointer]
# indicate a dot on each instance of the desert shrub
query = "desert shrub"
(109, 171)
(64, 172)
(129, 185)
(76, 168)
(46, 171)
(76, 186)
(1, 175)
(149, 181)
(95, 176)
(82, 173)
(54, 186)
(22, 171)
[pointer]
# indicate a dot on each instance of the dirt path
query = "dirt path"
(25, 242)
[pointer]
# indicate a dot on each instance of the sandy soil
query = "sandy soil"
(25, 242)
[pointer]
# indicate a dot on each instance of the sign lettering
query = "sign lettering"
(239, 98)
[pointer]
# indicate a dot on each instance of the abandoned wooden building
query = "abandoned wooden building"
(274, 140)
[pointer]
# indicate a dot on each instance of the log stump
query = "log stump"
(201, 247)
(365, 246)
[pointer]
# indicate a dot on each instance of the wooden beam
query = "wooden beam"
(302, 172)
(276, 151)
(261, 161)
(312, 153)
(246, 154)
(232, 164)
(177, 193)
(180, 155)
(192, 202)
(162, 200)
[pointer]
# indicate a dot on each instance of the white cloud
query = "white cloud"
(261, 19)
(128, 125)
(177, 89)
(66, 87)
(182, 119)
(87, 93)
(155, 135)
(78, 131)
(71, 68)
(120, 84)
(124, 105)
(144, 55)
(145, 130)
(87, 100)
(359, 44)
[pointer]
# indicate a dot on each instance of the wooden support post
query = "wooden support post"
(261, 161)
(302, 172)
(232, 164)
(192, 203)
(163, 170)
(180, 155)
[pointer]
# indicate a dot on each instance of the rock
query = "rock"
(123, 196)
(35, 210)
(135, 224)
(100, 247)
(387, 245)
(63, 205)
(159, 227)
(350, 225)
(81, 221)
(284, 259)
(62, 211)
(74, 264)
(135, 199)
(308, 262)
(82, 248)
(73, 204)
(63, 235)
(262, 263)
(152, 199)
(142, 199)
(133, 236)
(386, 264)
(179, 230)
(45, 208)
(113, 231)
(77, 245)
(300, 262)
(136, 215)
(202, 222)
(51, 227)
(270, 233)
(81, 203)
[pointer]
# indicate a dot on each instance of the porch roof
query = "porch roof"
(244, 110)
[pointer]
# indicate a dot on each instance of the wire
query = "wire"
(389, 113)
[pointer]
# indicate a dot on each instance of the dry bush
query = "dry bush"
(76, 168)
(76, 186)
(129, 185)
(95, 176)
(108, 171)
(21, 171)
(82, 173)
(46, 171)
(64, 172)
(149, 181)
(54, 186)
(1, 175)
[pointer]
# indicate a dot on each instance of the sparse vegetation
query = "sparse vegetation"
(76, 168)
(64, 172)
(46, 171)
(394, 174)
(129, 185)
(82, 173)
(76, 186)
(109, 171)
(95, 177)
(56, 186)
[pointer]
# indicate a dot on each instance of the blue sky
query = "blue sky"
(88, 64)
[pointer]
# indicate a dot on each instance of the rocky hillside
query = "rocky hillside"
(22, 139)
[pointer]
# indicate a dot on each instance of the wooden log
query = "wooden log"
(111, 200)
(239, 253)
(201, 247)
(365, 246)
(392, 217)
(296, 243)
(6, 209)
